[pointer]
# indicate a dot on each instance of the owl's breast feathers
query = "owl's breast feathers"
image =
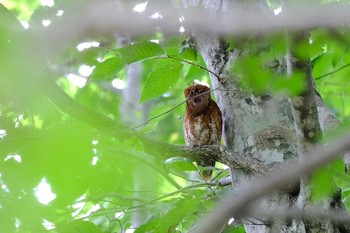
(204, 128)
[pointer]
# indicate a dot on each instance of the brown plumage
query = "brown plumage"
(203, 121)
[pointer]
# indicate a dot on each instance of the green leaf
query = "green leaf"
(177, 214)
(234, 229)
(189, 54)
(196, 72)
(292, 85)
(254, 76)
(108, 68)
(148, 226)
(140, 51)
(8, 22)
(181, 164)
(149, 128)
(322, 184)
(161, 79)
(177, 159)
(341, 179)
(81, 226)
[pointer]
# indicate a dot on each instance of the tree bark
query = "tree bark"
(266, 128)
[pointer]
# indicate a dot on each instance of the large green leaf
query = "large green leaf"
(189, 54)
(181, 164)
(177, 214)
(167, 219)
(322, 184)
(8, 21)
(161, 79)
(108, 68)
(140, 51)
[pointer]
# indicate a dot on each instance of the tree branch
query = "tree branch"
(218, 153)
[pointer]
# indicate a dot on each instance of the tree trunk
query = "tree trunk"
(263, 127)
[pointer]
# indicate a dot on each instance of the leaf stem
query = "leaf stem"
(332, 72)
(194, 64)
(159, 115)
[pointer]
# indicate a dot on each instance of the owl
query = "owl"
(203, 121)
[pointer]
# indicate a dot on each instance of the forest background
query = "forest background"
(92, 105)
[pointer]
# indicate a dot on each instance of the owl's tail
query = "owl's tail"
(207, 173)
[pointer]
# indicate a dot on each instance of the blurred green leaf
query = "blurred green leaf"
(148, 226)
(161, 79)
(291, 86)
(181, 164)
(7, 221)
(195, 72)
(79, 226)
(189, 54)
(89, 56)
(177, 159)
(234, 229)
(111, 177)
(140, 51)
(341, 179)
(108, 68)
(171, 219)
(254, 76)
(23, 8)
(306, 50)
(261, 80)
(8, 22)
(149, 128)
(322, 184)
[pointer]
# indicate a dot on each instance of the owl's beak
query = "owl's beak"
(198, 100)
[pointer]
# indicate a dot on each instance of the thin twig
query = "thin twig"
(172, 194)
(196, 65)
(157, 116)
(169, 110)
(208, 184)
(153, 200)
(332, 72)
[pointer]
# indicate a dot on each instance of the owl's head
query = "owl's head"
(197, 99)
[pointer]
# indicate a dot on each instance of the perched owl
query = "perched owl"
(203, 121)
